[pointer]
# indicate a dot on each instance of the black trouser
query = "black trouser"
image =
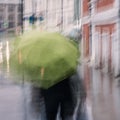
(59, 96)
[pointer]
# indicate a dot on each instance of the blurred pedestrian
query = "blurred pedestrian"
(66, 98)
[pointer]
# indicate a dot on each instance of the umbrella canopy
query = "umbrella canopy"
(47, 58)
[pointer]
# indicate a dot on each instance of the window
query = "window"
(19, 8)
(0, 25)
(85, 7)
(104, 4)
(19, 19)
(11, 24)
(2, 8)
(11, 8)
(1, 17)
(11, 17)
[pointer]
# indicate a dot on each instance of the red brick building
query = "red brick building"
(100, 29)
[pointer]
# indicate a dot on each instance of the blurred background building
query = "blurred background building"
(101, 34)
(55, 15)
(10, 16)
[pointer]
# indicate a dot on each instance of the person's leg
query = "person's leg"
(68, 105)
(51, 109)
(51, 106)
(67, 110)
(59, 93)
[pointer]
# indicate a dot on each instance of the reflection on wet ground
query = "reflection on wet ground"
(103, 95)
(19, 100)
(22, 101)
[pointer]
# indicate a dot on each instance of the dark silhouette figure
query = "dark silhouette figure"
(66, 98)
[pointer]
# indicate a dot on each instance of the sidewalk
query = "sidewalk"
(103, 94)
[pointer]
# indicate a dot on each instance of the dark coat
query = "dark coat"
(69, 95)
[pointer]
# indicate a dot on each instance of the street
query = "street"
(41, 44)
(21, 101)
(103, 94)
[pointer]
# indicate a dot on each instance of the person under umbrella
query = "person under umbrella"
(67, 98)
(50, 61)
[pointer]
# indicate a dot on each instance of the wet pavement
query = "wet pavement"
(22, 101)
(103, 94)
(19, 100)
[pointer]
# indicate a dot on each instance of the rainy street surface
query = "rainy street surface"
(103, 95)
(21, 101)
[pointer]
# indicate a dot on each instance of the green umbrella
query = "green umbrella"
(47, 58)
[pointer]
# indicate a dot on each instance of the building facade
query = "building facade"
(57, 14)
(10, 16)
(101, 33)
